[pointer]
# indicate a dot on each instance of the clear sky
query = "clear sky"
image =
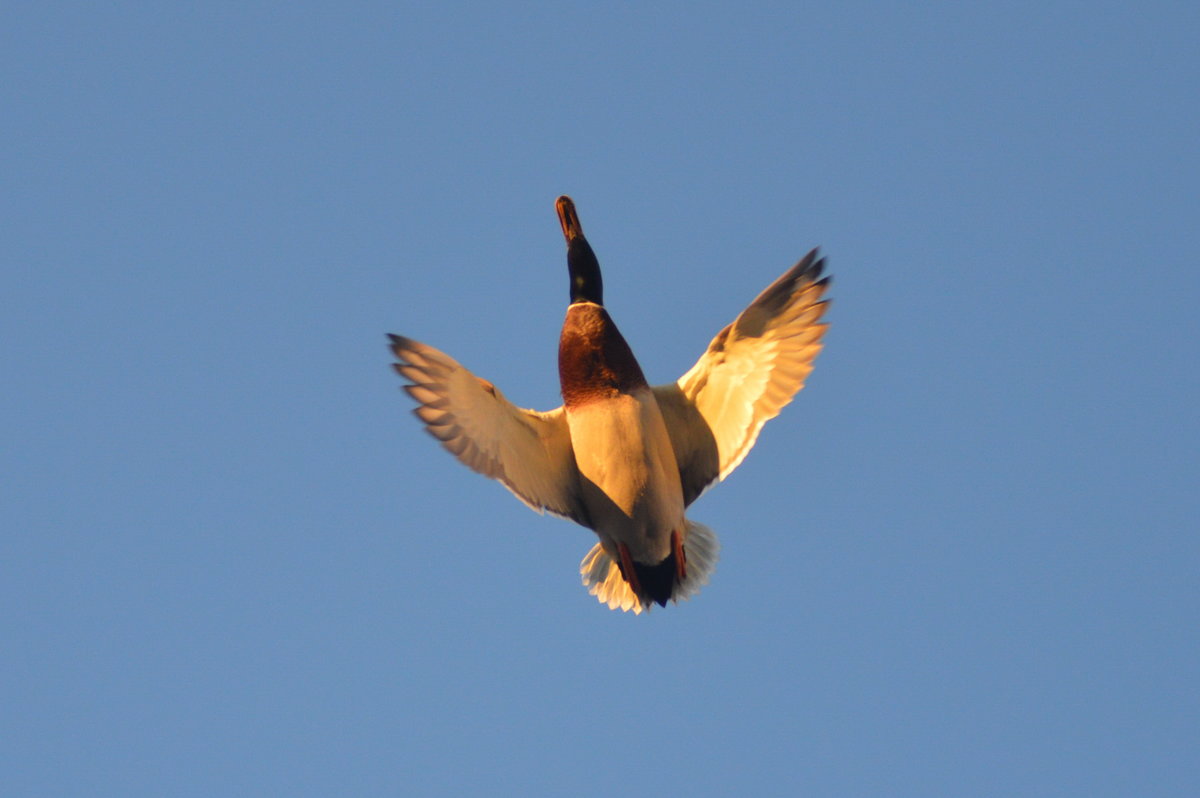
(963, 562)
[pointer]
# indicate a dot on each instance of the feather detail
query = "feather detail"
(602, 576)
(528, 452)
(750, 371)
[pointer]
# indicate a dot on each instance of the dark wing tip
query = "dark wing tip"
(811, 269)
(811, 266)
(807, 271)
(397, 343)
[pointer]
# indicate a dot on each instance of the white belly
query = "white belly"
(631, 480)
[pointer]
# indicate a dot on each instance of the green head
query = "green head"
(586, 284)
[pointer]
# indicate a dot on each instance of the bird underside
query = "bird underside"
(678, 577)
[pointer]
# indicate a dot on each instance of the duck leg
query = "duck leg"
(627, 569)
(680, 556)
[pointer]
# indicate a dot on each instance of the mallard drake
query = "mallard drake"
(621, 457)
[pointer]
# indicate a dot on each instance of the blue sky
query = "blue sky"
(963, 562)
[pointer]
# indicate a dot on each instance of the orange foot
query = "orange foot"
(680, 557)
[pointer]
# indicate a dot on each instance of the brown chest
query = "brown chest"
(594, 362)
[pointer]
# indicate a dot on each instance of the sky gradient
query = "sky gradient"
(963, 562)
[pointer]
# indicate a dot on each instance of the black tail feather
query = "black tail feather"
(657, 581)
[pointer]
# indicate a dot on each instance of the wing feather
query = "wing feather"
(529, 452)
(749, 372)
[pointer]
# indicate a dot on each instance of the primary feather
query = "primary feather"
(752, 368)
(529, 452)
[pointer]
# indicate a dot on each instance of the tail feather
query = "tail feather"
(602, 574)
(702, 550)
(602, 577)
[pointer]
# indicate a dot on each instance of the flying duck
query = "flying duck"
(620, 457)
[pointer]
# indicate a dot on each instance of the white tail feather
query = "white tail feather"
(602, 576)
(702, 549)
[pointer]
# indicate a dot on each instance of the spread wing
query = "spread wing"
(750, 371)
(529, 452)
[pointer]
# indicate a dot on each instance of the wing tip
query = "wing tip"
(812, 267)
(398, 342)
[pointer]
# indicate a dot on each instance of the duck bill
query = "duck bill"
(567, 217)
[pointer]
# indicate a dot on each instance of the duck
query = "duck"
(619, 456)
